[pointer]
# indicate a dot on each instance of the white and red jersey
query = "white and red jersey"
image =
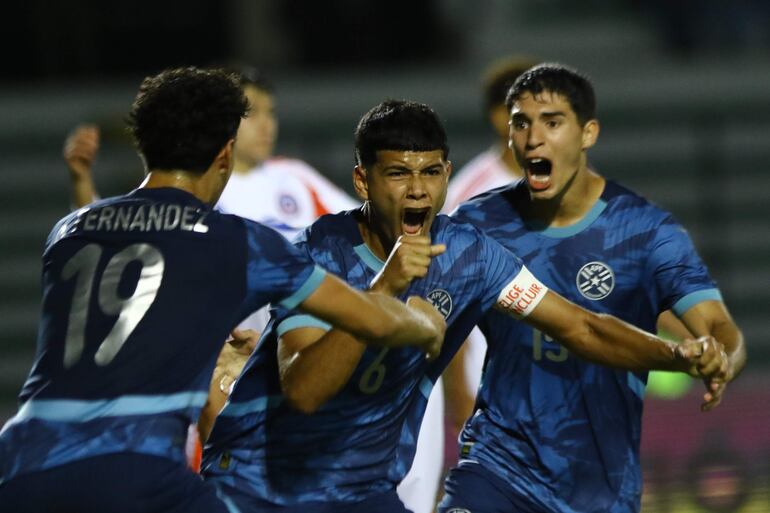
(283, 193)
(286, 194)
(485, 171)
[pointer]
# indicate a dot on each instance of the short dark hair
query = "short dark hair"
(500, 76)
(182, 117)
(559, 79)
(398, 125)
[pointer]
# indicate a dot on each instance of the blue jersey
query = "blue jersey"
(564, 433)
(139, 294)
(362, 442)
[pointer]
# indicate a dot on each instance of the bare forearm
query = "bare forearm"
(732, 338)
(378, 319)
(615, 343)
(711, 318)
(602, 338)
(312, 376)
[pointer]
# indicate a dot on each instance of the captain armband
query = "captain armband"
(521, 295)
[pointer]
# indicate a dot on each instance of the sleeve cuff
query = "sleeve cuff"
(301, 321)
(307, 288)
(692, 299)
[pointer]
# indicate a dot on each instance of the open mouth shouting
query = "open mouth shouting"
(538, 173)
(413, 220)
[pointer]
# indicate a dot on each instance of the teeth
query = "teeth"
(535, 161)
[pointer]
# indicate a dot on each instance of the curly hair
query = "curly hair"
(398, 125)
(183, 117)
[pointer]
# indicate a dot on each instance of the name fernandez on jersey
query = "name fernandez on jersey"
(143, 218)
(522, 294)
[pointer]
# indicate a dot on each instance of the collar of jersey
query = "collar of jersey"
(371, 260)
(561, 232)
(166, 193)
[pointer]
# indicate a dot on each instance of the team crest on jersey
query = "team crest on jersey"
(288, 204)
(442, 301)
(595, 280)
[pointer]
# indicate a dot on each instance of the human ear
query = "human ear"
(360, 183)
(590, 133)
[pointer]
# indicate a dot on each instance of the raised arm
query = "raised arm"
(315, 364)
(80, 149)
(378, 319)
(605, 339)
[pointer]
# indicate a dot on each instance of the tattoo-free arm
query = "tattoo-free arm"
(604, 339)
(314, 365)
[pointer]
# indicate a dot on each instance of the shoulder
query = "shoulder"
(498, 201)
(330, 230)
(633, 207)
(455, 232)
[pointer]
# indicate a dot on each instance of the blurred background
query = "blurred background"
(683, 96)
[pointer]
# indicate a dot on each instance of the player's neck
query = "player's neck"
(372, 235)
(568, 208)
(193, 183)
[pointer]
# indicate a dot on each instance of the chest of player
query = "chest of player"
(386, 371)
(600, 268)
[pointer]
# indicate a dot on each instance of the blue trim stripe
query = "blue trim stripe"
(229, 503)
(301, 321)
(636, 385)
(253, 406)
(370, 259)
(69, 410)
(426, 386)
(561, 232)
(307, 288)
(692, 299)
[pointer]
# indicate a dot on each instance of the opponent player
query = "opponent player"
(316, 421)
(291, 194)
(138, 292)
(551, 431)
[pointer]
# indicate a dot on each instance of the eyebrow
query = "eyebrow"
(552, 114)
(410, 170)
(543, 115)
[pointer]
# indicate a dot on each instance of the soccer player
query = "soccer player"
(138, 293)
(319, 422)
(291, 194)
(284, 193)
(552, 431)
